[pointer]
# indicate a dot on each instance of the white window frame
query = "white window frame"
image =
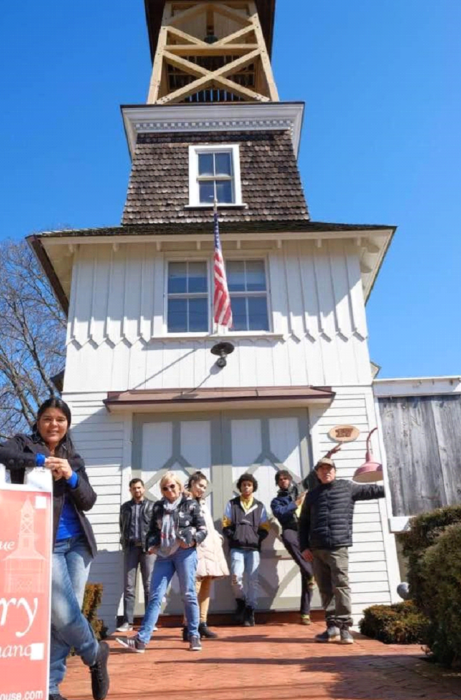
(212, 331)
(194, 191)
(235, 257)
(182, 259)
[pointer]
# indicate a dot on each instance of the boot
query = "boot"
(185, 633)
(205, 632)
(249, 618)
(240, 612)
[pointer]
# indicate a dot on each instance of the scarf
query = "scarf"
(168, 542)
(247, 503)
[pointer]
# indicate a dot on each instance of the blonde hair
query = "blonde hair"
(171, 476)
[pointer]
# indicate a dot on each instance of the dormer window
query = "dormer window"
(214, 174)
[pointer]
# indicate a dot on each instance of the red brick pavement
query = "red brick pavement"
(268, 662)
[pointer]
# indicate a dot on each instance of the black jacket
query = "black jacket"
(284, 508)
(147, 507)
(327, 513)
(188, 521)
(20, 451)
(245, 530)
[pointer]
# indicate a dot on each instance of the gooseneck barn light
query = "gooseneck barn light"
(371, 470)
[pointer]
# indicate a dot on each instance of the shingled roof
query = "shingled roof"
(158, 191)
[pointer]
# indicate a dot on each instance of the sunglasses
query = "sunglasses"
(170, 487)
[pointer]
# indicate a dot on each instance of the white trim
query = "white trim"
(194, 151)
(245, 116)
(221, 405)
(417, 386)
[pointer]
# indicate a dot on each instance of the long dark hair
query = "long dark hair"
(66, 446)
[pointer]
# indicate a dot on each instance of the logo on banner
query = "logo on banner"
(25, 566)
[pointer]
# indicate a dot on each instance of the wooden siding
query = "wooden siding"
(422, 439)
(373, 558)
(117, 337)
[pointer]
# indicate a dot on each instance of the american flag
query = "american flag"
(221, 300)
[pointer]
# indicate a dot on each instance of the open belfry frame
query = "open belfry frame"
(211, 52)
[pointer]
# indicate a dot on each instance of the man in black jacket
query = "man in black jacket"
(135, 517)
(325, 534)
(286, 507)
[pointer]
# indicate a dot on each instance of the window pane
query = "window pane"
(239, 314)
(256, 279)
(198, 315)
(197, 277)
(177, 278)
(177, 315)
(205, 164)
(235, 270)
(206, 192)
(224, 191)
(223, 163)
(257, 311)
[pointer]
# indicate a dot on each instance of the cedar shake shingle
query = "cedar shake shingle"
(158, 191)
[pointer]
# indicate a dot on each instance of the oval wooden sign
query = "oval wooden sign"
(344, 433)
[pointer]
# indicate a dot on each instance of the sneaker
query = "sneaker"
(194, 644)
(132, 644)
(125, 627)
(204, 631)
(99, 673)
(305, 619)
(346, 636)
(331, 634)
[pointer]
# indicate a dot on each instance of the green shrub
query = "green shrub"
(424, 532)
(401, 623)
(91, 602)
(439, 573)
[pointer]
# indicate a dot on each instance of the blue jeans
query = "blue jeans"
(184, 562)
(69, 574)
(245, 565)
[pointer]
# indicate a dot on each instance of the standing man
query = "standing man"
(286, 507)
(245, 525)
(135, 517)
(325, 534)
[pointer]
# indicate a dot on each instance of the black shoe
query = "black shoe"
(185, 633)
(204, 631)
(56, 696)
(99, 673)
(240, 612)
(249, 618)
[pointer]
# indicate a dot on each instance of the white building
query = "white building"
(145, 391)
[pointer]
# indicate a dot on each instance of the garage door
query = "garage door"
(223, 446)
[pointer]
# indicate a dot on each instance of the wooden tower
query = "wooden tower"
(210, 51)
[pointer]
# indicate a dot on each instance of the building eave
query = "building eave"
(213, 117)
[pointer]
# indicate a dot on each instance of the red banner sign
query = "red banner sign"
(25, 582)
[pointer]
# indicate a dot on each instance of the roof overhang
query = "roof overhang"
(154, 14)
(55, 249)
(215, 117)
(171, 400)
(417, 386)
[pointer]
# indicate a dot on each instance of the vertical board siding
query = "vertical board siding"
(99, 438)
(423, 446)
(118, 304)
(368, 553)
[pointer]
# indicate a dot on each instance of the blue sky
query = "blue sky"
(381, 140)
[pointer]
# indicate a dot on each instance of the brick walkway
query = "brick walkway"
(268, 662)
